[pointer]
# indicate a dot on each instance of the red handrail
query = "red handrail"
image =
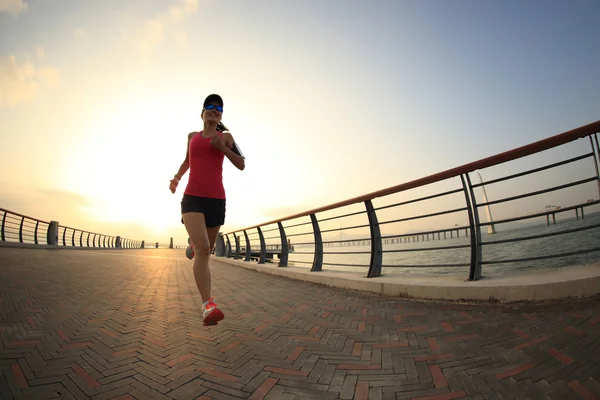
(532, 148)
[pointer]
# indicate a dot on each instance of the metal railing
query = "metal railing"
(21, 229)
(456, 201)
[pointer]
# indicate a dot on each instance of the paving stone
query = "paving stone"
(107, 324)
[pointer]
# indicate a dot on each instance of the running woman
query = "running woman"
(203, 202)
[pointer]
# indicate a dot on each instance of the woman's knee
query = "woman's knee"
(202, 248)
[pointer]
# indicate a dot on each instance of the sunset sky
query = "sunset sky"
(328, 99)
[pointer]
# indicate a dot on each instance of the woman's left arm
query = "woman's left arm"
(235, 159)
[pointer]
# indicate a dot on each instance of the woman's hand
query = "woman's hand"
(173, 185)
(218, 143)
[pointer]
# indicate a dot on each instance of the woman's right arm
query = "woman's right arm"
(183, 167)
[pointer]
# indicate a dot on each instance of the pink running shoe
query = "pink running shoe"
(212, 315)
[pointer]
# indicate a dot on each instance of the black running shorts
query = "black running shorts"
(213, 209)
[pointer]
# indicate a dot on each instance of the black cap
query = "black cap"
(213, 98)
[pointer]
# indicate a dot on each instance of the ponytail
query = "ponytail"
(222, 128)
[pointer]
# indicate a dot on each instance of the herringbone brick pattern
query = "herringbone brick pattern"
(127, 325)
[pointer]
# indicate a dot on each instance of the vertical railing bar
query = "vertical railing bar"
(597, 150)
(65, 237)
(35, 239)
(228, 247)
(248, 249)
(3, 224)
(21, 230)
(475, 268)
(285, 250)
(318, 259)
(81, 239)
(263, 247)
(237, 247)
(376, 246)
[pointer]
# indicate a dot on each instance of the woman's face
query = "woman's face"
(211, 113)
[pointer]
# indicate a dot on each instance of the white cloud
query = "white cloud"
(180, 37)
(190, 6)
(13, 7)
(39, 52)
(80, 34)
(187, 8)
(152, 36)
(163, 26)
(20, 83)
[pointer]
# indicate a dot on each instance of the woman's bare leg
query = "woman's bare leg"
(212, 236)
(196, 228)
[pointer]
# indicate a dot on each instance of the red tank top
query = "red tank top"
(206, 168)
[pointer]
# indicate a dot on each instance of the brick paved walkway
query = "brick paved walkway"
(125, 325)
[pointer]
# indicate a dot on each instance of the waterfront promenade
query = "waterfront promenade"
(126, 324)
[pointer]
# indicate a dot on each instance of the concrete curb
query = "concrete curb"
(562, 283)
(56, 247)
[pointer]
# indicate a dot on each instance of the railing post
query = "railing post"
(228, 252)
(52, 234)
(283, 259)
(143, 246)
(171, 244)
(376, 246)
(248, 249)
(473, 212)
(263, 247)
(3, 224)
(318, 259)
(220, 246)
(237, 247)
(118, 242)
